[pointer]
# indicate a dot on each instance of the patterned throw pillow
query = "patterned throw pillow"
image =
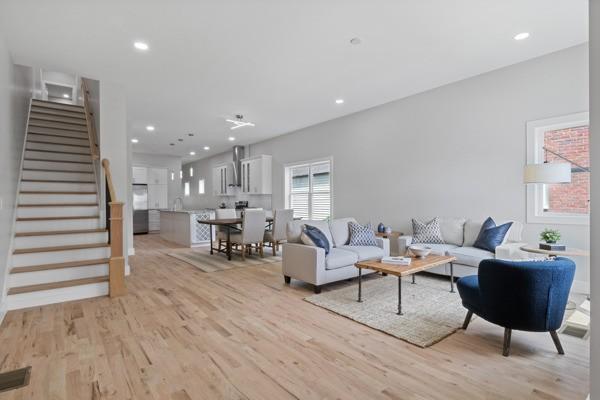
(361, 235)
(427, 232)
(313, 236)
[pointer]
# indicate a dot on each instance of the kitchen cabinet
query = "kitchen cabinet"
(157, 197)
(257, 175)
(222, 178)
(153, 220)
(140, 175)
(157, 176)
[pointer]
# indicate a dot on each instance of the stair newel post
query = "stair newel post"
(117, 259)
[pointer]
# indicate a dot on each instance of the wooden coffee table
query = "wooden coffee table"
(416, 265)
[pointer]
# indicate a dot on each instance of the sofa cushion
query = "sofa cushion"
(452, 230)
(294, 230)
(427, 232)
(338, 258)
(472, 228)
(440, 249)
(340, 232)
(471, 256)
(365, 252)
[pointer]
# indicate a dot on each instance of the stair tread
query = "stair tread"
(56, 125)
(65, 232)
(57, 170)
(59, 152)
(38, 130)
(59, 205)
(57, 118)
(54, 181)
(58, 161)
(53, 104)
(58, 218)
(60, 248)
(69, 264)
(55, 192)
(57, 144)
(58, 112)
(57, 285)
(53, 135)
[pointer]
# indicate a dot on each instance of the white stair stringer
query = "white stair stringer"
(59, 295)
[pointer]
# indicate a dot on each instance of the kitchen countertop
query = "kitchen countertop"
(203, 211)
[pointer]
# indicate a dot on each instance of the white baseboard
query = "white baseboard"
(3, 312)
(580, 287)
(131, 251)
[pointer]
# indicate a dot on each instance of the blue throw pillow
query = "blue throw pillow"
(361, 235)
(313, 236)
(491, 236)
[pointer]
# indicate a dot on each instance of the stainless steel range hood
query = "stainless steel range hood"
(238, 155)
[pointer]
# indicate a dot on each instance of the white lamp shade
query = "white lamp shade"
(547, 173)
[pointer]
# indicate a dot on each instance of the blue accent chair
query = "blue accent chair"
(521, 295)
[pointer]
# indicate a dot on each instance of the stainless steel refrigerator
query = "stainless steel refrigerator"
(140, 209)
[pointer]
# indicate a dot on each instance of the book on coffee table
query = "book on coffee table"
(396, 260)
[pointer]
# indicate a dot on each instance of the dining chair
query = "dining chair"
(223, 213)
(253, 230)
(278, 233)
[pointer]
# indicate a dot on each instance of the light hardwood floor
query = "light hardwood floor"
(242, 334)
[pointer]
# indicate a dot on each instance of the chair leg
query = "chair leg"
(506, 348)
(244, 252)
(287, 279)
(557, 343)
(261, 249)
(467, 319)
(274, 246)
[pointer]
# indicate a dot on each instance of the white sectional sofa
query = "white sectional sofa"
(459, 235)
(309, 263)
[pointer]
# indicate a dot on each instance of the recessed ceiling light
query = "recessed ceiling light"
(66, 96)
(190, 134)
(134, 140)
(355, 41)
(231, 138)
(180, 140)
(521, 36)
(171, 144)
(141, 46)
(150, 128)
(339, 101)
(192, 153)
(206, 148)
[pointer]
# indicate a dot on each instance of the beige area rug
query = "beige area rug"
(431, 312)
(204, 261)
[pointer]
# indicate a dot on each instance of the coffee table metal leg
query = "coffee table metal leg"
(400, 295)
(360, 285)
(451, 277)
(413, 279)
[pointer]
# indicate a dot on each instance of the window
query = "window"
(308, 189)
(186, 189)
(201, 186)
(191, 172)
(172, 175)
(180, 174)
(560, 140)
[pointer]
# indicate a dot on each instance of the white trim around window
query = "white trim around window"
(536, 194)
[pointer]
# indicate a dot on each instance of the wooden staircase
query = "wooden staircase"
(61, 250)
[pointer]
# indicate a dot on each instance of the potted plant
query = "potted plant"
(550, 236)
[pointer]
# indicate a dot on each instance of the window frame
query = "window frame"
(536, 193)
(287, 182)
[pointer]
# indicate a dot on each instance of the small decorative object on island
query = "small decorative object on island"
(550, 237)
(381, 227)
(388, 230)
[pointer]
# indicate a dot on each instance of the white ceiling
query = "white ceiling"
(280, 63)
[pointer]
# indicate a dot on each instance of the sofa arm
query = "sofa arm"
(384, 244)
(302, 262)
(512, 251)
(403, 243)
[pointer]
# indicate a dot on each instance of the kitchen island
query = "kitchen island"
(182, 227)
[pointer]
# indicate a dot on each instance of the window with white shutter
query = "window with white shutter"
(308, 189)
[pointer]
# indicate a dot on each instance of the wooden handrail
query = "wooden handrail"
(89, 119)
(115, 231)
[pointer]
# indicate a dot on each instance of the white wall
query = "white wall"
(114, 147)
(458, 150)
(595, 157)
(172, 163)
(16, 85)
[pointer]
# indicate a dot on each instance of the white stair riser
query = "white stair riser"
(27, 242)
(57, 225)
(70, 211)
(58, 147)
(56, 275)
(56, 198)
(62, 176)
(57, 165)
(58, 186)
(34, 299)
(61, 132)
(57, 156)
(58, 118)
(53, 257)
(61, 113)
(57, 139)
(56, 125)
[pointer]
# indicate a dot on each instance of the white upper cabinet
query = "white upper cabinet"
(140, 175)
(157, 197)
(158, 176)
(222, 178)
(257, 175)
